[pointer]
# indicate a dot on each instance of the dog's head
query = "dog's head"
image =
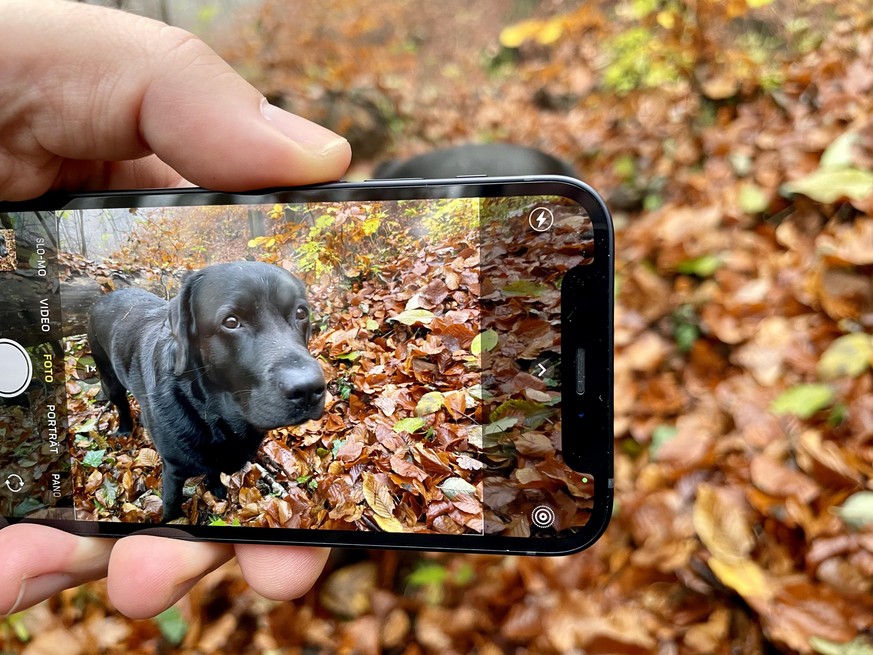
(244, 327)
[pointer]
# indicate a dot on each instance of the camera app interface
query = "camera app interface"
(383, 366)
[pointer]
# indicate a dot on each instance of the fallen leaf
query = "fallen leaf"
(857, 510)
(849, 355)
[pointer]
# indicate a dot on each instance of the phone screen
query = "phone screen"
(437, 324)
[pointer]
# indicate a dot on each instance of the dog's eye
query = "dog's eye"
(301, 314)
(231, 322)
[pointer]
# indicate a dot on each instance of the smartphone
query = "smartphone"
(401, 364)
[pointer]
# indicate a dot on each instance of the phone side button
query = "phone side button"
(393, 179)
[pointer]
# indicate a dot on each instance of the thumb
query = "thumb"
(127, 87)
(223, 133)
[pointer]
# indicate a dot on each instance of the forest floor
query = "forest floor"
(734, 143)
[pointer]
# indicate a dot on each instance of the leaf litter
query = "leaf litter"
(747, 529)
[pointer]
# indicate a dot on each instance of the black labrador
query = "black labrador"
(213, 369)
(476, 159)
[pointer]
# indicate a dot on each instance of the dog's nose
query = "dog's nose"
(303, 388)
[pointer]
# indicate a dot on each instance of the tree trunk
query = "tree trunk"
(20, 296)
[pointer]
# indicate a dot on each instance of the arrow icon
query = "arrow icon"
(14, 483)
(543, 370)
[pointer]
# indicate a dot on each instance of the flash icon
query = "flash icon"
(541, 219)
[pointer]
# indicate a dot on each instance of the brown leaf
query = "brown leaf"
(851, 243)
(346, 591)
(825, 461)
(776, 479)
(406, 469)
(147, 457)
(378, 496)
(801, 609)
(533, 444)
(721, 523)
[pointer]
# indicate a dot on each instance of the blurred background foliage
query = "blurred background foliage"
(733, 141)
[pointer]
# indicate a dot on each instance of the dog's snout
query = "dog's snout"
(303, 387)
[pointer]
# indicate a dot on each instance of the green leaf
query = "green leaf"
(661, 435)
(478, 393)
(857, 511)
(625, 166)
(839, 153)
(534, 413)
(28, 506)
(829, 185)
(110, 492)
(220, 522)
(686, 327)
(19, 627)
(172, 625)
(93, 458)
(372, 325)
(336, 445)
(413, 316)
(410, 424)
(352, 356)
(428, 573)
(464, 574)
(858, 646)
(752, 198)
(454, 486)
(501, 425)
(483, 342)
(524, 288)
(847, 356)
(700, 266)
(88, 426)
(755, 4)
(430, 402)
(685, 334)
(838, 415)
(803, 400)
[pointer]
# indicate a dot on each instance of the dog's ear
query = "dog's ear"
(182, 323)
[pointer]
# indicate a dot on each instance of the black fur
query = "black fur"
(209, 387)
(476, 159)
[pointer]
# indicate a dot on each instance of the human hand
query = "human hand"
(92, 98)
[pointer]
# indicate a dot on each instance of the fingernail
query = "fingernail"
(311, 136)
(35, 590)
(91, 556)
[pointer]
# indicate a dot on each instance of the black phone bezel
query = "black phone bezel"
(589, 286)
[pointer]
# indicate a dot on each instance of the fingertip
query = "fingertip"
(39, 561)
(223, 134)
(148, 574)
(281, 572)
